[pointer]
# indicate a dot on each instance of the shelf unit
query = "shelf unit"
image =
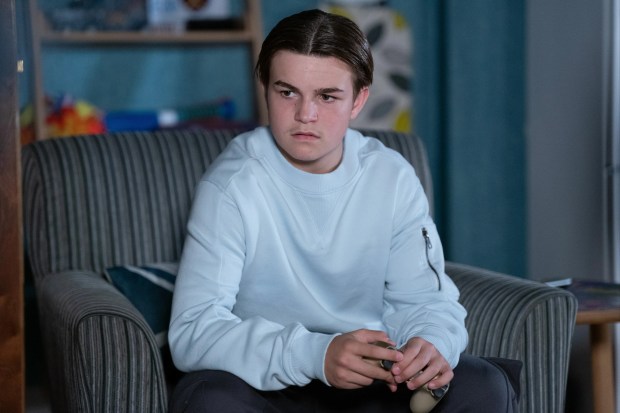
(250, 34)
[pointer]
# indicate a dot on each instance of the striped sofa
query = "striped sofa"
(91, 202)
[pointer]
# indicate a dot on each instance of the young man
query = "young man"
(308, 245)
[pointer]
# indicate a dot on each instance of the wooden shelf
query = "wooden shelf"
(249, 33)
(219, 36)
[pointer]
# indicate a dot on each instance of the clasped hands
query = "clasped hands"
(351, 362)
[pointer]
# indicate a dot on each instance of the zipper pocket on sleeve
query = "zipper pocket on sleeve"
(429, 245)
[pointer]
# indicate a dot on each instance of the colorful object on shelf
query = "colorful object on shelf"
(128, 120)
(26, 125)
(173, 15)
(64, 116)
(67, 116)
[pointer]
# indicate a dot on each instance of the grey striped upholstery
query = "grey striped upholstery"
(520, 319)
(91, 202)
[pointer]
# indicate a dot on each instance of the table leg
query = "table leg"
(602, 368)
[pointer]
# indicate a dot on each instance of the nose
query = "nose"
(306, 111)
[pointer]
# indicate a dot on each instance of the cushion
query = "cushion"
(149, 288)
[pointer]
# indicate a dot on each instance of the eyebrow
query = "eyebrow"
(321, 91)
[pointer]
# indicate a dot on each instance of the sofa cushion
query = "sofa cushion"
(149, 288)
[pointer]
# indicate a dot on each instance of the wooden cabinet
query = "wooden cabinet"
(249, 33)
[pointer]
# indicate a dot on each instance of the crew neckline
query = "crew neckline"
(311, 182)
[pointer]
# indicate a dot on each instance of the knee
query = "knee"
(485, 384)
(495, 386)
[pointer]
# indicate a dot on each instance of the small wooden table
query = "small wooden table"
(599, 306)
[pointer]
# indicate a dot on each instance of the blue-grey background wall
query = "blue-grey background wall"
(468, 106)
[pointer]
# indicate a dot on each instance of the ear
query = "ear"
(360, 101)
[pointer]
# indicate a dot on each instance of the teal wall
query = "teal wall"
(468, 96)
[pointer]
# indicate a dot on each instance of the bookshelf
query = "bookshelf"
(249, 33)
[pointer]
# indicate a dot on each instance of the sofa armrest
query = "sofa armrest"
(101, 354)
(520, 319)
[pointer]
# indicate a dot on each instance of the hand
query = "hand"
(351, 359)
(422, 364)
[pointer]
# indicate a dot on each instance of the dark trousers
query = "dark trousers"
(479, 385)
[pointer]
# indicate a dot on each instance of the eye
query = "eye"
(327, 98)
(286, 93)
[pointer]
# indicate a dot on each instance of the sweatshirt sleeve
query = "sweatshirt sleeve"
(420, 299)
(205, 334)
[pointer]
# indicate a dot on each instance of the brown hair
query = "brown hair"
(317, 33)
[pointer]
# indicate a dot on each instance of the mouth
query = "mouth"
(305, 135)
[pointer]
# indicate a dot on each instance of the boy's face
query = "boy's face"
(311, 102)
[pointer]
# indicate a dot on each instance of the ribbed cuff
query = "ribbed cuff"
(308, 357)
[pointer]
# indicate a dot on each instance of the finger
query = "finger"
(420, 379)
(383, 356)
(356, 381)
(365, 374)
(441, 380)
(349, 376)
(373, 369)
(437, 371)
(414, 346)
(372, 336)
(412, 364)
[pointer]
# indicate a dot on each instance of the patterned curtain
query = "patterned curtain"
(390, 105)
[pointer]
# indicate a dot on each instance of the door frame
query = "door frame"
(12, 361)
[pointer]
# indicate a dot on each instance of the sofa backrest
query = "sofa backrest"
(95, 201)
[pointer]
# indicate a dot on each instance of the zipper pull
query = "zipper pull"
(427, 239)
(429, 245)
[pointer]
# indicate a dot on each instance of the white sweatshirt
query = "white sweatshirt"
(278, 261)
